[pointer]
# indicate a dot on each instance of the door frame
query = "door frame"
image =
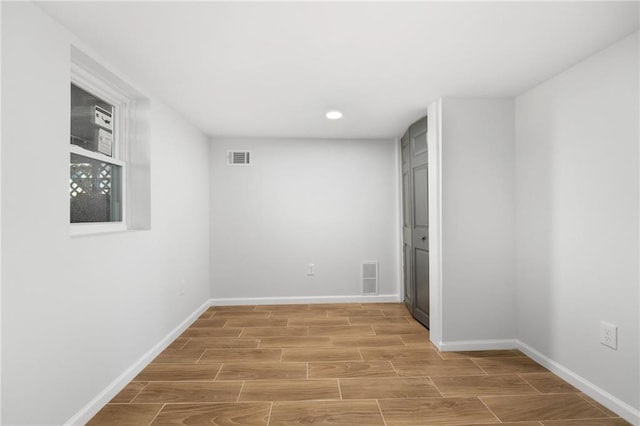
(399, 221)
(434, 145)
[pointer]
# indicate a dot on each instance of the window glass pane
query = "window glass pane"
(95, 190)
(92, 121)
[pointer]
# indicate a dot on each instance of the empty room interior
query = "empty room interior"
(332, 213)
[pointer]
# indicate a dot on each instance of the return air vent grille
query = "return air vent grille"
(238, 158)
(369, 278)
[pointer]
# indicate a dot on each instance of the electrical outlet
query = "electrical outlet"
(311, 269)
(182, 287)
(609, 335)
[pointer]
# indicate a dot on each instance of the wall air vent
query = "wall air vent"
(369, 278)
(238, 158)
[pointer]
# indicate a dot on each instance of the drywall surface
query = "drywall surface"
(477, 160)
(331, 203)
(577, 218)
(77, 312)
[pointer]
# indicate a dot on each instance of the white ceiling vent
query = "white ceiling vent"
(369, 278)
(238, 158)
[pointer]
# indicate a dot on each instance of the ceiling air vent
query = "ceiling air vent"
(238, 158)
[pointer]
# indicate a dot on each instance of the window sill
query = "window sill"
(87, 229)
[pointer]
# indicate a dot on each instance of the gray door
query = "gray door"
(415, 198)
(406, 220)
(420, 223)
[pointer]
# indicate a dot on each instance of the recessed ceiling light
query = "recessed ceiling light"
(334, 115)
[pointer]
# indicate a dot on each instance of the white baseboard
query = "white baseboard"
(382, 298)
(623, 409)
(96, 404)
(477, 345)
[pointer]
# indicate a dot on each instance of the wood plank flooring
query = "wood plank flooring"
(339, 364)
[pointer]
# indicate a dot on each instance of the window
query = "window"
(110, 160)
(96, 178)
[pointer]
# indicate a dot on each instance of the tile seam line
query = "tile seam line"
(158, 413)
(384, 421)
(490, 410)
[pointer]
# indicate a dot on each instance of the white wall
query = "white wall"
(477, 158)
(577, 218)
(77, 312)
(327, 202)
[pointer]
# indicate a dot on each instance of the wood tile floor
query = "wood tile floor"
(354, 364)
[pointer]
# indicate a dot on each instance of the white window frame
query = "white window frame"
(123, 109)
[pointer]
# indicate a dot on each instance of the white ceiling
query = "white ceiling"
(273, 69)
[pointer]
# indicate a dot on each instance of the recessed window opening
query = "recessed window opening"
(109, 151)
